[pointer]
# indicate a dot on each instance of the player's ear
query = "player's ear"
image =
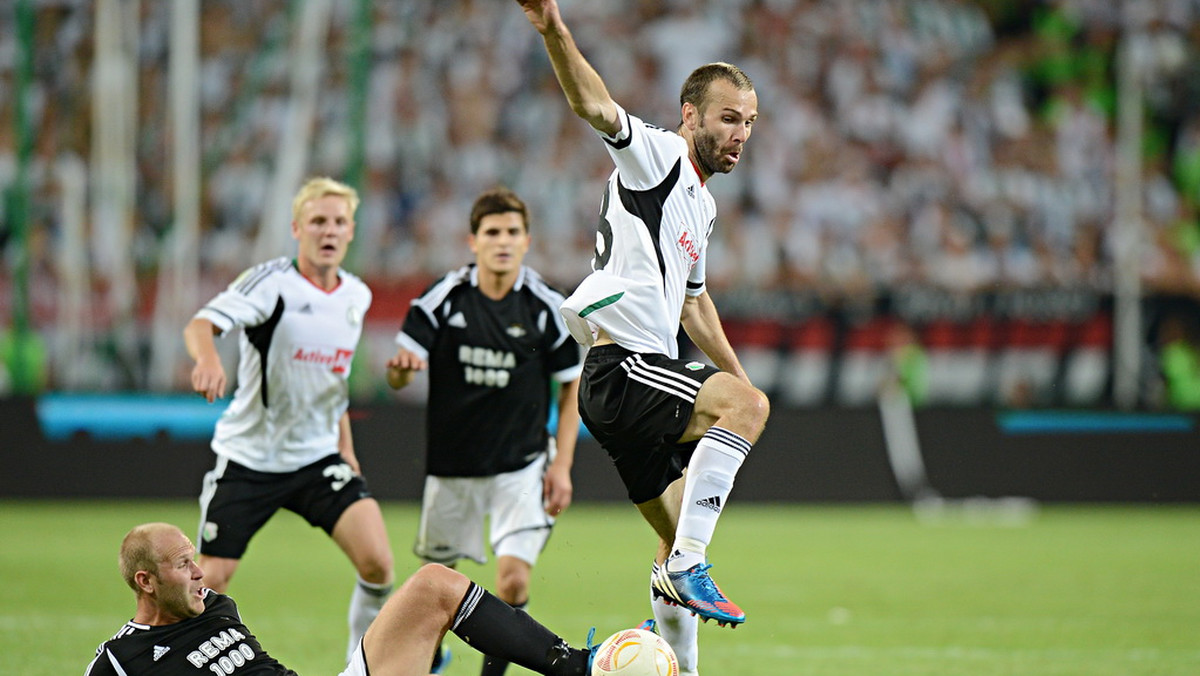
(690, 115)
(144, 580)
(295, 230)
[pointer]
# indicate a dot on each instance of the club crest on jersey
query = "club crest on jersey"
(354, 315)
(338, 360)
(515, 330)
(687, 245)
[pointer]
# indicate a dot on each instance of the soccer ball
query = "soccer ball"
(635, 652)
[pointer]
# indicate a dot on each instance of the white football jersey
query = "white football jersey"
(296, 347)
(655, 222)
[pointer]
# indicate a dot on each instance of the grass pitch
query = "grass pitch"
(829, 590)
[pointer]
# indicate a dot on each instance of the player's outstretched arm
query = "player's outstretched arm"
(208, 375)
(585, 91)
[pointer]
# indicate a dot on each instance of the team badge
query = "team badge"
(209, 532)
(694, 366)
(354, 315)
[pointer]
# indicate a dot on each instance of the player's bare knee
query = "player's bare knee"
(377, 568)
(752, 410)
(759, 407)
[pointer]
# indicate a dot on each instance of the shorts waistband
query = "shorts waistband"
(608, 352)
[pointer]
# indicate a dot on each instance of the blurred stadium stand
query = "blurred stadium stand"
(949, 167)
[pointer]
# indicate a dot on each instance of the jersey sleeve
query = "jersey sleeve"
(695, 280)
(565, 363)
(101, 665)
(248, 301)
(644, 154)
(418, 332)
(421, 324)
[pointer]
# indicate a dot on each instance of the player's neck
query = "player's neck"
(496, 285)
(691, 141)
(325, 278)
(153, 616)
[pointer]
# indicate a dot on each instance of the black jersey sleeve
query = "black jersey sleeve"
(101, 666)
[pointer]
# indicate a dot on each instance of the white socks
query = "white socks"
(679, 627)
(365, 602)
(710, 474)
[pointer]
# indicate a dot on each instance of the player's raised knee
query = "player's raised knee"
(754, 406)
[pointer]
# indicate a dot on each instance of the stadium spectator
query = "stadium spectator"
(285, 439)
(180, 625)
(493, 342)
(1022, 96)
(654, 413)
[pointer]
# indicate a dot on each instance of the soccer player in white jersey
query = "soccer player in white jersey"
(492, 339)
(656, 414)
(182, 628)
(284, 441)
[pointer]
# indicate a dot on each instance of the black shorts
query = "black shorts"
(237, 501)
(637, 405)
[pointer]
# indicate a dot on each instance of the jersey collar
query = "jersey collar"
(696, 168)
(296, 267)
(474, 268)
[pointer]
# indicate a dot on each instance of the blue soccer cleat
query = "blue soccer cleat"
(649, 625)
(695, 590)
(591, 649)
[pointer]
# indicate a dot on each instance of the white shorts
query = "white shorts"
(453, 510)
(358, 663)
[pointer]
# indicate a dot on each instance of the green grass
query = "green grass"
(853, 590)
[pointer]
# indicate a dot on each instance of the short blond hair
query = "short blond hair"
(321, 186)
(139, 551)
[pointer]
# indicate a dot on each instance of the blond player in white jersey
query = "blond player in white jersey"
(285, 441)
(656, 414)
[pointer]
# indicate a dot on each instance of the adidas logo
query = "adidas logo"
(159, 651)
(713, 503)
(457, 320)
(305, 309)
(691, 191)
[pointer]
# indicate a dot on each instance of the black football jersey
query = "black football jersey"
(491, 363)
(214, 642)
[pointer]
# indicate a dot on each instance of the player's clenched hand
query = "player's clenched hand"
(557, 490)
(541, 13)
(401, 366)
(406, 360)
(208, 379)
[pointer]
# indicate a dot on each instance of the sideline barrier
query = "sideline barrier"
(811, 455)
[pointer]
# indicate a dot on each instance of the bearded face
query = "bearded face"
(722, 126)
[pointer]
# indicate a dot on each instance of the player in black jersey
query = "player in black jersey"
(180, 628)
(493, 340)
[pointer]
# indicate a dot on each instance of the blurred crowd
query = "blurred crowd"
(965, 145)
